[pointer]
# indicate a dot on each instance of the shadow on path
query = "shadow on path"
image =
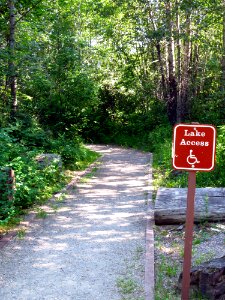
(80, 251)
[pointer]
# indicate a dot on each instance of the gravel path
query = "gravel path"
(94, 238)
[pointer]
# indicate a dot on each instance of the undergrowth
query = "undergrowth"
(34, 184)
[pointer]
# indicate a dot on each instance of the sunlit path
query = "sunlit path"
(80, 251)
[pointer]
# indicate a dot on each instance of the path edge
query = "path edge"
(149, 256)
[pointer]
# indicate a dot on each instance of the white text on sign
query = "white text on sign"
(194, 133)
(194, 143)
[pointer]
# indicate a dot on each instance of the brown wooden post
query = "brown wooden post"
(188, 235)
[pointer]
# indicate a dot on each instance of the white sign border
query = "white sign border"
(214, 147)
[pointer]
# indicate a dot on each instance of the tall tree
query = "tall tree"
(172, 82)
(12, 81)
(223, 47)
(17, 11)
(183, 109)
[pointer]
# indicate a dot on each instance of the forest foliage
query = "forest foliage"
(106, 71)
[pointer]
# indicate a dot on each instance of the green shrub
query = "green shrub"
(7, 208)
(159, 137)
(74, 155)
(19, 147)
(27, 132)
(32, 183)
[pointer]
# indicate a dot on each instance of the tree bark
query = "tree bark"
(184, 97)
(11, 64)
(194, 75)
(172, 83)
(159, 54)
(223, 56)
(178, 46)
(163, 79)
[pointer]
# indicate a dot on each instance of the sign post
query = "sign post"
(194, 147)
(188, 235)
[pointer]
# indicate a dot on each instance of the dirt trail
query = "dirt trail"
(95, 238)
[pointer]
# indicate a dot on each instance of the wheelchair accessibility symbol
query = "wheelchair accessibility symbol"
(192, 159)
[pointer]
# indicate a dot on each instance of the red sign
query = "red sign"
(194, 147)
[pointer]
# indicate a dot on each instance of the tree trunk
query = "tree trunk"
(194, 75)
(178, 46)
(172, 83)
(163, 79)
(159, 55)
(223, 56)
(184, 99)
(11, 65)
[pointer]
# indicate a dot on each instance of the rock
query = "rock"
(209, 279)
(46, 159)
(180, 228)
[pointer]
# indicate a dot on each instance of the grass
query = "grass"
(129, 285)
(162, 294)
(41, 213)
(55, 207)
(4, 228)
(167, 270)
(168, 266)
(21, 233)
(61, 198)
(204, 257)
(89, 175)
(202, 234)
(126, 286)
(89, 159)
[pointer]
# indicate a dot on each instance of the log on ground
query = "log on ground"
(171, 204)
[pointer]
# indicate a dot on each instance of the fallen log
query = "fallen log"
(171, 204)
